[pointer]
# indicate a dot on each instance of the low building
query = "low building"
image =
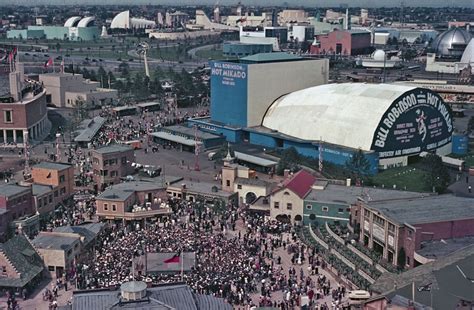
(88, 233)
(111, 163)
(17, 209)
(239, 49)
(130, 201)
(443, 284)
(58, 250)
(186, 138)
(68, 89)
(87, 130)
(286, 200)
(21, 264)
(336, 203)
(192, 191)
(52, 185)
(23, 111)
(342, 42)
(136, 295)
(397, 228)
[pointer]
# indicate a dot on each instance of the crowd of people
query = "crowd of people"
(235, 258)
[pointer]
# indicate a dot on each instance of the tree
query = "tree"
(358, 165)
(437, 175)
(401, 259)
(289, 159)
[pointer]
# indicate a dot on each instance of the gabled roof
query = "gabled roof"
(24, 259)
(300, 183)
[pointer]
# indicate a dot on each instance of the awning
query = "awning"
(259, 161)
(175, 138)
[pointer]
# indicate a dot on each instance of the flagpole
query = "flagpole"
(182, 266)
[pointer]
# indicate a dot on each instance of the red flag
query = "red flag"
(48, 63)
(174, 259)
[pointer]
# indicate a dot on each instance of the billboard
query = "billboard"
(229, 93)
(417, 121)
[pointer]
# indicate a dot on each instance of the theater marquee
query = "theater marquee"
(417, 121)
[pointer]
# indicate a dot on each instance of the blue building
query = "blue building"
(271, 100)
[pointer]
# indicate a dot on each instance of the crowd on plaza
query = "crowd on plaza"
(235, 258)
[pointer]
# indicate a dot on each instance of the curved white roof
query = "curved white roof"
(343, 114)
(141, 23)
(468, 55)
(121, 20)
(86, 21)
(72, 21)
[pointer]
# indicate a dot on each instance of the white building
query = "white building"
(123, 20)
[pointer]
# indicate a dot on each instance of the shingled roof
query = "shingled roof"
(24, 258)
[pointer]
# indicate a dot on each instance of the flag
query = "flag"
(175, 259)
(48, 63)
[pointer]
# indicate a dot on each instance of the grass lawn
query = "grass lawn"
(411, 177)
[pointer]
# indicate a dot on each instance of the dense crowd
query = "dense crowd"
(231, 263)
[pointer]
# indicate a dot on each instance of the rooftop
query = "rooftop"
(52, 166)
(123, 191)
(448, 277)
(421, 210)
(168, 296)
(24, 258)
(89, 128)
(51, 241)
(300, 183)
(204, 188)
(9, 190)
(88, 231)
(252, 182)
(350, 194)
(270, 57)
(190, 132)
(113, 148)
(39, 190)
(435, 249)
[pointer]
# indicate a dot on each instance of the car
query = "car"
(119, 59)
(59, 58)
(87, 58)
(358, 295)
(34, 55)
(130, 59)
(46, 55)
(94, 60)
(67, 55)
(27, 54)
(100, 59)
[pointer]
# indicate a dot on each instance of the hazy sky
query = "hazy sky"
(309, 3)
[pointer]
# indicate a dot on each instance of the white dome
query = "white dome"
(72, 21)
(378, 55)
(468, 55)
(86, 21)
(121, 20)
(343, 114)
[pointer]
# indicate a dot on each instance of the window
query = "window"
(324, 209)
(124, 160)
(289, 206)
(106, 207)
(340, 210)
(114, 208)
(227, 182)
(62, 178)
(62, 191)
(286, 193)
(276, 205)
(113, 173)
(51, 198)
(51, 268)
(4, 269)
(8, 116)
(239, 186)
(378, 220)
(408, 260)
(95, 160)
(309, 207)
(391, 227)
(56, 193)
(409, 233)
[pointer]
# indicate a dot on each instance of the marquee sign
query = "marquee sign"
(417, 121)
